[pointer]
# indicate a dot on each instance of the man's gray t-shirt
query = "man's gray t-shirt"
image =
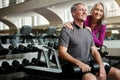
(77, 41)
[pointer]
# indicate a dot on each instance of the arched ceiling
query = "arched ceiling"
(10, 24)
(53, 18)
(41, 8)
(28, 6)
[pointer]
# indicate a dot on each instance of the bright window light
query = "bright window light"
(115, 31)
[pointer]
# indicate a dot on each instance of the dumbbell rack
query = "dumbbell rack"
(19, 56)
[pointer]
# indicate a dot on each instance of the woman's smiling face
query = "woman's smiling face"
(98, 12)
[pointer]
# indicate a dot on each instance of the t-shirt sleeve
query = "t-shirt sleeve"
(64, 37)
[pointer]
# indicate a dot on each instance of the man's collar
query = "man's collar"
(78, 26)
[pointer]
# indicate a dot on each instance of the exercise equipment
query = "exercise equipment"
(7, 68)
(61, 71)
(37, 62)
(23, 49)
(19, 67)
(48, 36)
(105, 54)
(103, 50)
(13, 49)
(32, 48)
(56, 58)
(51, 55)
(24, 63)
(1, 71)
(15, 64)
(25, 32)
(3, 51)
(67, 72)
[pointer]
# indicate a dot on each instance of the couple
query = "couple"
(76, 41)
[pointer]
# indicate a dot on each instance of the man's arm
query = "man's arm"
(96, 55)
(98, 59)
(66, 56)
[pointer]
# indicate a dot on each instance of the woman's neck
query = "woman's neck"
(94, 21)
(93, 24)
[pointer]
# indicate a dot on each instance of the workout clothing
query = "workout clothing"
(98, 33)
(77, 41)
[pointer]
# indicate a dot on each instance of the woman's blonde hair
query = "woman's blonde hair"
(102, 20)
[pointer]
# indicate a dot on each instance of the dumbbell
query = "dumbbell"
(32, 48)
(1, 71)
(3, 51)
(34, 62)
(7, 68)
(35, 49)
(69, 68)
(23, 48)
(25, 62)
(16, 64)
(37, 62)
(13, 49)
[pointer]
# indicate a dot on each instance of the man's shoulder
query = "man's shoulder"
(66, 29)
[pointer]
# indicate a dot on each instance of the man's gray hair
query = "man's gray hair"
(74, 7)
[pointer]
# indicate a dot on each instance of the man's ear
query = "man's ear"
(73, 14)
(89, 28)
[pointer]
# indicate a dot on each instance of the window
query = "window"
(6, 3)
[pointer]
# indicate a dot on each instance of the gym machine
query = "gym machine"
(60, 71)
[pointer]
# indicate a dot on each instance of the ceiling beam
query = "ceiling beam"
(28, 6)
(118, 1)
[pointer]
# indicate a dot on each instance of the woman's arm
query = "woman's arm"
(99, 41)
